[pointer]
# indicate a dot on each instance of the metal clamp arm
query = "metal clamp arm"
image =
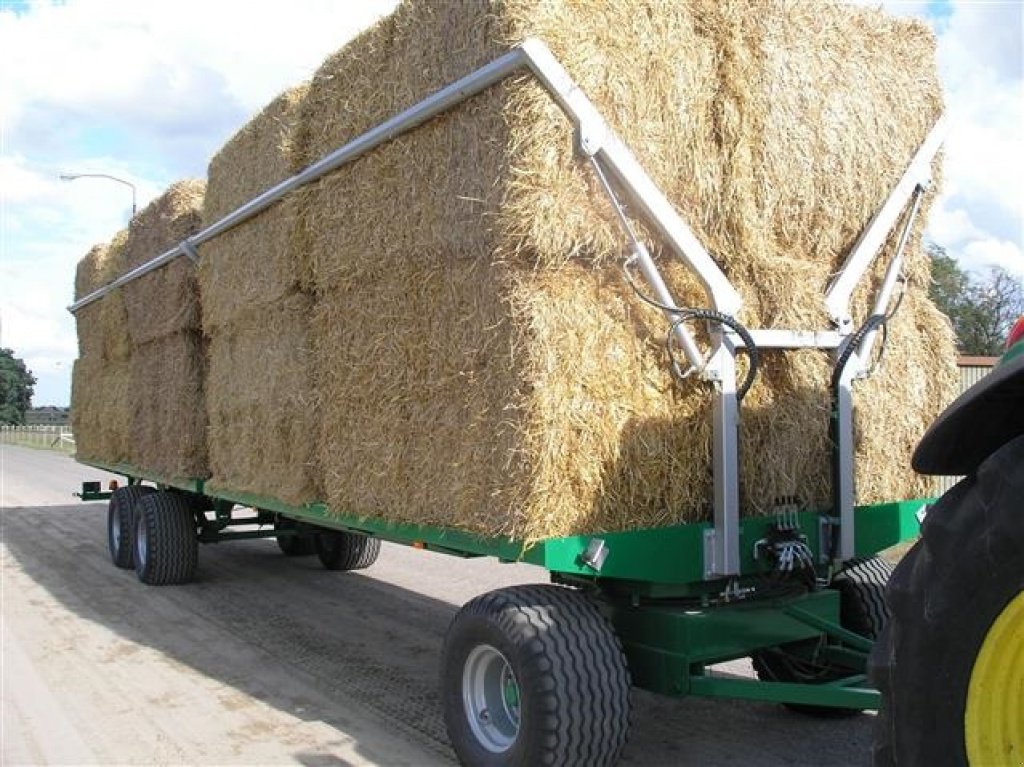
(871, 240)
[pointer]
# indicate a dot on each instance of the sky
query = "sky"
(148, 90)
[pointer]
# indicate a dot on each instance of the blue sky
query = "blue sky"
(147, 90)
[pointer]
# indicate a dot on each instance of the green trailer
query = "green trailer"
(542, 674)
(625, 608)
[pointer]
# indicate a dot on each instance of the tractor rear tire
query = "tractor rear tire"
(121, 523)
(166, 541)
(862, 609)
(534, 675)
(950, 665)
(338, 550)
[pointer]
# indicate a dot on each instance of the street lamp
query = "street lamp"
(129, 184)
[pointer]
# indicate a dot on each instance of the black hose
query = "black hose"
(685, 315)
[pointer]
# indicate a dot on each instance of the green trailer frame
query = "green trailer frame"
(673, 621)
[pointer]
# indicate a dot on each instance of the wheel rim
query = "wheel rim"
(141, 542)
(994, 717)
(490, 695)
(115, 528)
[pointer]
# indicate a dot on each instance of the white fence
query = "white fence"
(48, 437)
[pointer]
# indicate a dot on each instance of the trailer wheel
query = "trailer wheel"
(293, 545)
(121, 523)
(534, 675)
(862, 609)
(951, 663)
(345, 551)
(166, 541)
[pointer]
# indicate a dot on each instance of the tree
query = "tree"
(16, 387)
(982, 309)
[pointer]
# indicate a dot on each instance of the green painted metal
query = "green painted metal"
(669, 647)
(845, 693)
(831, 628)
(665, 641)
(661, 562)
(134, 473)
(885, 524)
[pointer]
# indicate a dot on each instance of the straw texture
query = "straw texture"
(262, 422)
(253, 264)
(165, 301)
(256, 319)
(478, 360)
(137, 389)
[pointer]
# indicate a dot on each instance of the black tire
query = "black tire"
(862, 609)
(121, 524)
(345, 551)
(945, 596)
(166, 541)
(550, 666)
(296, 544)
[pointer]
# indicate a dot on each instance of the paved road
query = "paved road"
(270, 660)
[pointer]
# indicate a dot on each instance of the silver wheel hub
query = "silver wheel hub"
(490, 696)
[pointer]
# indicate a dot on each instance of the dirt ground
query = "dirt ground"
(268, 660)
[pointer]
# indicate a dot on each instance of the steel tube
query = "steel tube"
(444, 99)
(573, 102)
(643, 192)
(891, 275)
(871, 240)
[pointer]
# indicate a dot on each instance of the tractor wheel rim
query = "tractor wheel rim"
(994, 715)
(490, 695)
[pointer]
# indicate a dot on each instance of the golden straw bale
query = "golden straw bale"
(258, 395)
(165, 396)
(252, 264)
(101, 417)
(102, 325)
(101, 412)
(165, 301)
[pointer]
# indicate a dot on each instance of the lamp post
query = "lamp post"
(129, 184)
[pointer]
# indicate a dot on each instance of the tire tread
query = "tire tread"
(573, 652)
(171, 537)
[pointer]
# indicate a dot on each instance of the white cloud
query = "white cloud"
(980, 254)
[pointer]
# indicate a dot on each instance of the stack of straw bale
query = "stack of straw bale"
(137, 389)
(168, 365)
(478, 359)
(440, 332)
(256, 318)
(101, 417)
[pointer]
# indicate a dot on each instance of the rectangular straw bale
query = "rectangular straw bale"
(538, 403)
(252, 264)
(100, 416)
(101, 413)
(169, 411)
(165, 301)
(262, 421)
(102, 325)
